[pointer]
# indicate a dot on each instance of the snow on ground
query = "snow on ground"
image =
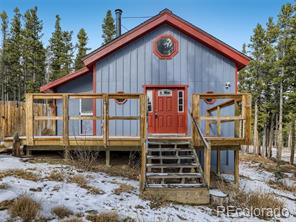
(77, 199)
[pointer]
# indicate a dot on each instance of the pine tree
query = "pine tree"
(14, 56)
(284, 23)
(60, 52)
(108, 28)
(33, 52)
(4, 30)
(81, 47)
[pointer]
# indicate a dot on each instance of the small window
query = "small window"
(209, 100)
(181, 101)
(165, 92)
(165, 46)
(149, 100)
(120, 101)
(86, 107)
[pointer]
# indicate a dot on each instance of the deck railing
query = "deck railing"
(211, 114)
(65, 139)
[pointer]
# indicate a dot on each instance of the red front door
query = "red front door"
(167, 109)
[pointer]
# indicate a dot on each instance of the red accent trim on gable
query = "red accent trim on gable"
(94, 86)
(167, 17)
(64, 79)
(159, 54)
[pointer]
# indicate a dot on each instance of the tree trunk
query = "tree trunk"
(255, 137)
(264, 153)
(280, 135)
(292, 142)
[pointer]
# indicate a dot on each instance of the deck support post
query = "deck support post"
(236, 166)
(28, 152)
(207, 164)
(66, 153)
(108, 158)
(218, 162)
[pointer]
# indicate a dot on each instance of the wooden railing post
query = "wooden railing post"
(143, 135)
(208, 124)
(66, 120)
(218, 121)
(106, 120)
(29, 119)
(207, 164)
(247, 114)
(236, 122)
(195, 115)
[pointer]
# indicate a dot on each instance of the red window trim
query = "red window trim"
(160, 55)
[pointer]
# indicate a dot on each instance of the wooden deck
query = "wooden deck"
(207, 134)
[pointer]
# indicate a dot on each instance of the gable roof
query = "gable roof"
(64, 79)
(164, 17)
(167, 17)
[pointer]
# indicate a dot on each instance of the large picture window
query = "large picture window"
(165, 46)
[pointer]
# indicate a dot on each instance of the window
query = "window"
(165, 92)
(180, 101)
(120, 101)
(86, 108)
(165, 47)
(149, 100)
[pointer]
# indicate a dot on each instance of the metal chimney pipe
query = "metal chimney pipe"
(118, 13)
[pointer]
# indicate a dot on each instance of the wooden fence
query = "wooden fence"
(13, 118)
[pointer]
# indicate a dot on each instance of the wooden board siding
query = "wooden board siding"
(135, 65)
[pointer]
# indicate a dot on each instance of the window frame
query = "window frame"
(148, 92)
(183, 101)
(81, 121)
(163, 56)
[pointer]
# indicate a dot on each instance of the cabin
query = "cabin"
(167, 89)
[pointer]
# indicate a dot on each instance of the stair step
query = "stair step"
(151, 165)
(169, 150)
(173, 175)
(184, 157)
(194, 185)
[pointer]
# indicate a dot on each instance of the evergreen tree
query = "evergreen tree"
(13, 59)
(81, 47)
(4, 33)
(108, 28)
(33, 52)
(60, 52)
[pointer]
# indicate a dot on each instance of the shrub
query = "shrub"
(25, 208)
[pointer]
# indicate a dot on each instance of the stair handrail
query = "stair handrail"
(207, 153)
(203, 139)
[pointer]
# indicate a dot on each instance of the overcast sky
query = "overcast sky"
(232, 21)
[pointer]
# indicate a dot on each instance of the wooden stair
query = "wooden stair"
(173, 169)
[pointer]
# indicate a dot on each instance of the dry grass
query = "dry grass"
(250, 199)
(104, 217)
(118, 170)
(25, 208)
(3, 186)
(281, 185)
(83, 158)
(157, 200)
(82, 182)
(6, 204)
(268, 164)
(19, 173)
(73, 219)
(123, 188)
(62, 212)
(55, 176)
